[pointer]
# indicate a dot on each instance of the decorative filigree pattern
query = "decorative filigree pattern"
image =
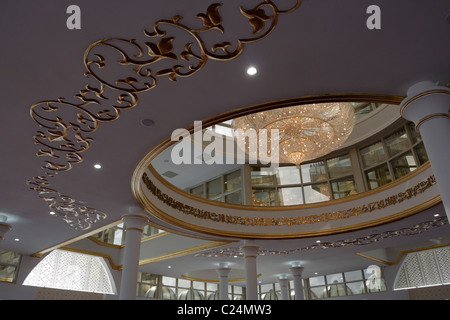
(289, 221)
(372, 238)
(66, 125)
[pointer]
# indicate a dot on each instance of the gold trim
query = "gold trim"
(80, 237)
(6, 225)
(348, 97)
(154, 236)
(94, 253)
(138, 229)
(231, 234)
(280, 221)
(135, 216)
(402, 253)
(106, 244)
(390, 185)
(433, 115)
(406, 103)
(183, 252)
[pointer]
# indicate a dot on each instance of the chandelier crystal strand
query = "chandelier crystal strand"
(306, 132)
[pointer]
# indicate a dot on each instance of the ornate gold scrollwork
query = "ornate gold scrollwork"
(365, 240)
(65, 125)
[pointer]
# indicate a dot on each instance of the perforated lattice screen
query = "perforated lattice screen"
(424, 268)
(71, 271)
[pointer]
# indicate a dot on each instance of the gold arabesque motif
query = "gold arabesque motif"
(65, 125)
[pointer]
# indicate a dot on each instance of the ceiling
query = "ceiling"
(323, 47)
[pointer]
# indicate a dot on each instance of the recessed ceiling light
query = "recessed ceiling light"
(97, 166)
(169, 267)
(436, 215)
(16, 239)
(52, 213)
(147, 122)
(251, 71)
(317, 241)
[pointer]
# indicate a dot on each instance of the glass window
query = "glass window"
(415, 136)
(353, 275)
(339, 167)
(336, 277)
(225, 130)
(336, 289)
(348, 283)
(232, 181)
(372, 154)
(211, 286)
(214, 188)
(262, 176)
(198, 191)
(403, 165)
(183, 283)
(290, 196)
(364, 108)
(421, 153)
(343, 188)
(316, 193)
(288, 175)
(198, 285)
(264, 197)
(169, 281)
(7, 273)
(356, 288)
(9, 257)
(318, 292)
(316, 281)
(313, 172)
(397, 142)
(378, 176)
(235, 197)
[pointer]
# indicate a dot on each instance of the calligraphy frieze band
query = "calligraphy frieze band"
(288, 221)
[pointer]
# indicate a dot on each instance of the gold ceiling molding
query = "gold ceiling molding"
(183, 252)
(289, 221)
(66, 125)
(401, 254)
(415, 229)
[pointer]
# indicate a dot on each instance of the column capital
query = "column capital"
(223, 272)
(250, 249)
(296, 271)
(135, 221)
(425, 100)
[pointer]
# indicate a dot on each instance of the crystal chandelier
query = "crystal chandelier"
(305, 132)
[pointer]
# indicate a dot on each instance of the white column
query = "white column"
(428, 106)
(250, 250)
(284, 288)
(298, 287)
(223, 272)
(134, 224)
